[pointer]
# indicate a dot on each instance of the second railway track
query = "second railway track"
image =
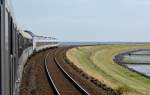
(62, 82)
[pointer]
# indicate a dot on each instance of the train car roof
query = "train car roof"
(25, 34)
(43, 37)
(31, 33)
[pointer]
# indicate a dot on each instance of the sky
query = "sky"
(86, 20)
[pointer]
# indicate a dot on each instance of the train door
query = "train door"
(10, 34)
(11, 51)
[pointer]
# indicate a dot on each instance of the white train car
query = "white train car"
(8, 50)
(25, 50)
(40, 43)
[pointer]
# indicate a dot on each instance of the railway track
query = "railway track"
(49, 73)
(62, 82)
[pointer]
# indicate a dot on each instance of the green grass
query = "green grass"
(97, 62)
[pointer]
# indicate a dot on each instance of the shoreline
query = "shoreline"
(118, 60)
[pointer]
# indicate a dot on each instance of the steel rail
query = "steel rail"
(84, 92)
(51, 81)
(56, 92)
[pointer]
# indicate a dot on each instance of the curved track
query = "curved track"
(49, 73)
(63, 83)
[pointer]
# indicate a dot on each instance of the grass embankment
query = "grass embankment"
(97, 62)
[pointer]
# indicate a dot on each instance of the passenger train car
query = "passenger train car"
(40, 42)
(17, 46)
(8, 51)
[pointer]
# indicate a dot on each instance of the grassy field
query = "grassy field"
(97, 62)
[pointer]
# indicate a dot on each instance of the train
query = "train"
(17, 45)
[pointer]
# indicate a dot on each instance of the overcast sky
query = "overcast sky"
(86, 20)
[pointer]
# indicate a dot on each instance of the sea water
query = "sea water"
(145, 69)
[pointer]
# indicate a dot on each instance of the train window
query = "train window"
(1, 1)
(11, 35)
